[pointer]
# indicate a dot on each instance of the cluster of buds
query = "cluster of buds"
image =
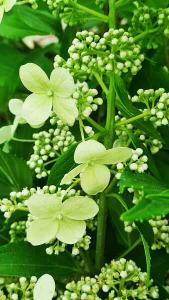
(17, 231)
(154, 144)
(86, 99)
(118, 280)
(66, 10)
(157, 105)
(91, 53)
(16, 200)
(59, 247)
(137, 163)
(160, 228)
(17, 289)
(9, 206)
(48, 146)
(163, 18)
(145, 18)
(123, 136)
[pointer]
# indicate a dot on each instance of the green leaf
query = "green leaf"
(148, 258)
(14, 174)
(155, 199)
(157, 3)
(160, 265)
(22, 259)
(115, 210)
(152, 75)
(10, 61)
(62, 166)
(23, 150)
(147, 255)
(161, 160)
(148, 207)
(23, 21)
(143, 182)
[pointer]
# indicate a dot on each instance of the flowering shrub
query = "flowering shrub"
(84, 140)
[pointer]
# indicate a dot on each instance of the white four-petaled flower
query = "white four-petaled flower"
(92, 157)
(47, 94)
(5, 6)
(54, 218)
(44, 288)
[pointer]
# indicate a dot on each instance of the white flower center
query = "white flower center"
(50, 93)
(90, 163)
(59, 217)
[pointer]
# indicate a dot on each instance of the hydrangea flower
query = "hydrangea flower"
(44, 288)
(47, 94)
(5, 6)
(7, 132)
(54, 218)
(92, 157)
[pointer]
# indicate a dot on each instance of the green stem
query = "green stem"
(50, 162)
(143, 34)
(81, 129)
(96, 125)
(101, 83)
(22, 140)
(21, 2)
(112, 14)
(110, 119)
(108, 140)
(133, 246)
(133, 119)
(71, 186)
(92, 12)
(102, 216)
(3, 237)
(142, 239)
(111, 185)
(101, 232)
(121, 3)
(117, 197)
(22, 209)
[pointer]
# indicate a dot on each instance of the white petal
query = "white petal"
(95, 179)
(72, 174)
(44, 288)
(87, 150)
(2, 10)
(70, 231)
(62, 82)
(5, 134)
(66, 110)
(42, 231)
(34, 78)
(37, 109)
(8, 4)
(44, 205)
(80, 208)
(114, 156)
(15, 106)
